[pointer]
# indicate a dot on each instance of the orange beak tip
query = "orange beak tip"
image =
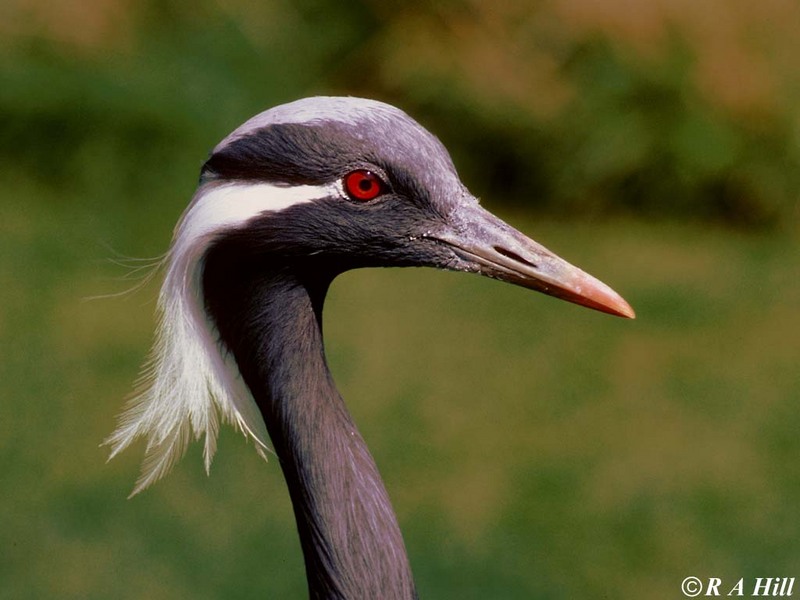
(626, 311)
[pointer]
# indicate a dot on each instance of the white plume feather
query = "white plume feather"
(189, 379)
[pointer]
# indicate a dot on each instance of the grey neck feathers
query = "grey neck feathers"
(271, 322)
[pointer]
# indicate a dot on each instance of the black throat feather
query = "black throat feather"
(269, 317)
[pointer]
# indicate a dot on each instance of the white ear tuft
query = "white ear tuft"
(190, 379)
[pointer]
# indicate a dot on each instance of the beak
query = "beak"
(488, 246)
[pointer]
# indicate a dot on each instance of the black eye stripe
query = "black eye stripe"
(291, 153)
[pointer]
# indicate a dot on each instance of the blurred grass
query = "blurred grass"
(532, 448)
(686, 111)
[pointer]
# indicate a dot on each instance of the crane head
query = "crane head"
(340, 183)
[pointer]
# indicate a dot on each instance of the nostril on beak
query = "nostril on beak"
(513, 256)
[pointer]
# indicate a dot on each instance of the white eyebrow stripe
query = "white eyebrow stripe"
(230, 204)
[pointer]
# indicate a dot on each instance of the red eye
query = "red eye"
(363, 185)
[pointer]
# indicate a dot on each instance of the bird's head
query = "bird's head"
(338, 183)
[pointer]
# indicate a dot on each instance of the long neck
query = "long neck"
(351, 541)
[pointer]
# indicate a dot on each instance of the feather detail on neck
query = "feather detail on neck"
(190, 379)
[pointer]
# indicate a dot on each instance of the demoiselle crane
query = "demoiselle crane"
(295, 196)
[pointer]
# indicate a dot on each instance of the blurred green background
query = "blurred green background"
(532, 449)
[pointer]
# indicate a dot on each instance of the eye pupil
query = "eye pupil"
(363, 185)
